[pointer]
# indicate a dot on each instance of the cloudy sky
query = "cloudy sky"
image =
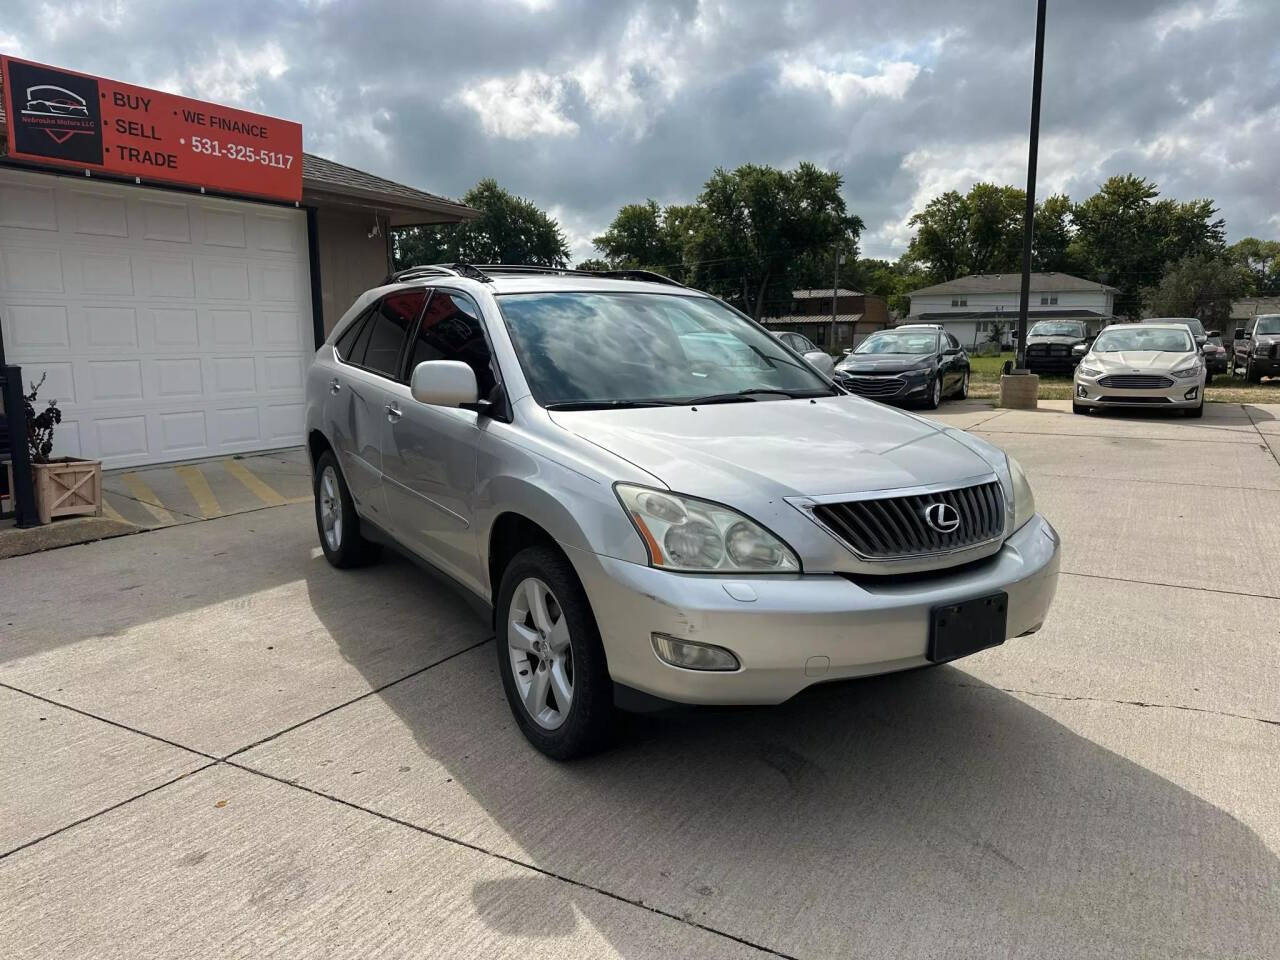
(584, 106)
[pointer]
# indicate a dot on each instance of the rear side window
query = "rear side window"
(451, 330)
(343, 345)
(388, 328)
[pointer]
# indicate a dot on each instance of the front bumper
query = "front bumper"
(1182, 394)
(802, 629)
(1051, 363)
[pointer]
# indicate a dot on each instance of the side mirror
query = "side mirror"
(1208, 348)
(822, 360)
(1080, 349)
(444, 383)
(1240, 334)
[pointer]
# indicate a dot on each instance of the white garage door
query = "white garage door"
(170, 327)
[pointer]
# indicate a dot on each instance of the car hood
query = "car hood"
(1043, 339)
(779, 448)
(1137, 361)
(890, 363)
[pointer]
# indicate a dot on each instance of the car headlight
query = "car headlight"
(684, 533)
(1187, 372)
(1089, 371)
(1024, 502)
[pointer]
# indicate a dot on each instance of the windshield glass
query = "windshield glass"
(612, 349)
(1268, 324)
(899, 341)
(1196, 326)
(1136, 339)
(1057, 328)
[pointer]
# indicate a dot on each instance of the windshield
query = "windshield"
(616, 349)
(1196, 326)
(1057, 328)
(1137, 339)
(899, 341)
(1268, 324)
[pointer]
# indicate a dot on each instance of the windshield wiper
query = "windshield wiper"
(747, 396)
(603, 404)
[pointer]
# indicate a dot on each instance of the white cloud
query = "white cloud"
(1195, 15)
(520, 107)
(892, 79)
(232, 75)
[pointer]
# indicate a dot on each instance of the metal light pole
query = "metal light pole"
(1029, 219)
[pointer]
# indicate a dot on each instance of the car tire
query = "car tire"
(963, 392)
(549, 650)
(1079, 408)
(1197, 411)
(337, 522)
(934, 399)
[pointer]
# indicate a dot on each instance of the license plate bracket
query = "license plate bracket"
(959, 629)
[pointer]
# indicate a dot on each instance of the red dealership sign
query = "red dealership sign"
(71, 119)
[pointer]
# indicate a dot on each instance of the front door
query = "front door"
(429, 453)
(361, 394)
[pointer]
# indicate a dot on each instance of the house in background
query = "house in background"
(1245, 310)
(971, 307)
(856, 316)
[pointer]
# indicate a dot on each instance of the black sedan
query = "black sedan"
(917, 364)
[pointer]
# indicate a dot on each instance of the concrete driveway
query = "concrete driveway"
(216, 745)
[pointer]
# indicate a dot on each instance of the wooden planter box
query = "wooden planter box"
(67, 488)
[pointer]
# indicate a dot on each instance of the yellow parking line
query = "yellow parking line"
(200, 491)
(307, 499)
(254, 483)
(111, 513)
(139, 490)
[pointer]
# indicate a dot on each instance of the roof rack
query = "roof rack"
(421, 271)
(481, 272)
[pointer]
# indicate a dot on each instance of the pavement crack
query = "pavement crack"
(364, 696)
(115, 806)
(1173, 586)
(1069, 697)
(514, 861)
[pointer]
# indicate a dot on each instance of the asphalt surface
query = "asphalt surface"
(216, 745)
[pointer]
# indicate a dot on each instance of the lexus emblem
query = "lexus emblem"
(942, 517)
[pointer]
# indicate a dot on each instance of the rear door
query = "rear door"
(360, 395)
(429, 452)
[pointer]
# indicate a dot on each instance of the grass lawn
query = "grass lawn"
(984, 384)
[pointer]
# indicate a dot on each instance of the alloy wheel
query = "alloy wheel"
(541, 653)
(331, 508)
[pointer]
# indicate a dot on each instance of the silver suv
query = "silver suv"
(655, 497)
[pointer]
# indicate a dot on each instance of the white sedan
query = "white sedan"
(1148, 365)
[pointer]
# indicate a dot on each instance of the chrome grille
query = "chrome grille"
(893, 528)
(1135, 381)
(872, 386)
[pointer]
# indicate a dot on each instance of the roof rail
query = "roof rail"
(422, 270)
(648, 276)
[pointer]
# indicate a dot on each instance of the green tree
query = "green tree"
(639, 237)
(1125, 235)
(977, 232)
(593, 263)
(1201, 286)
(510, 229)
(755, 223)
(891, 279)
(1051, 236)
(941, 242)
(1261, 259)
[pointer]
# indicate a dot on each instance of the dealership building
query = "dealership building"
(172, 306)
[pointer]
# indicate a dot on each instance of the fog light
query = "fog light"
(692, 656)
(1080, 392)
(1190, 394)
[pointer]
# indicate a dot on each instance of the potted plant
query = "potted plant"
(64, 486)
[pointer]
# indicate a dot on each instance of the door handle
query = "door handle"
(334, 385)
(393, 412)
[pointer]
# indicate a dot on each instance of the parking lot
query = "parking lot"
(217, 745)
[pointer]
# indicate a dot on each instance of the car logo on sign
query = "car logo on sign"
(942, 517)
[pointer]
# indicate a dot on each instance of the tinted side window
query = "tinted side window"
(343, 345)
(388, 329)
(451, 330)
